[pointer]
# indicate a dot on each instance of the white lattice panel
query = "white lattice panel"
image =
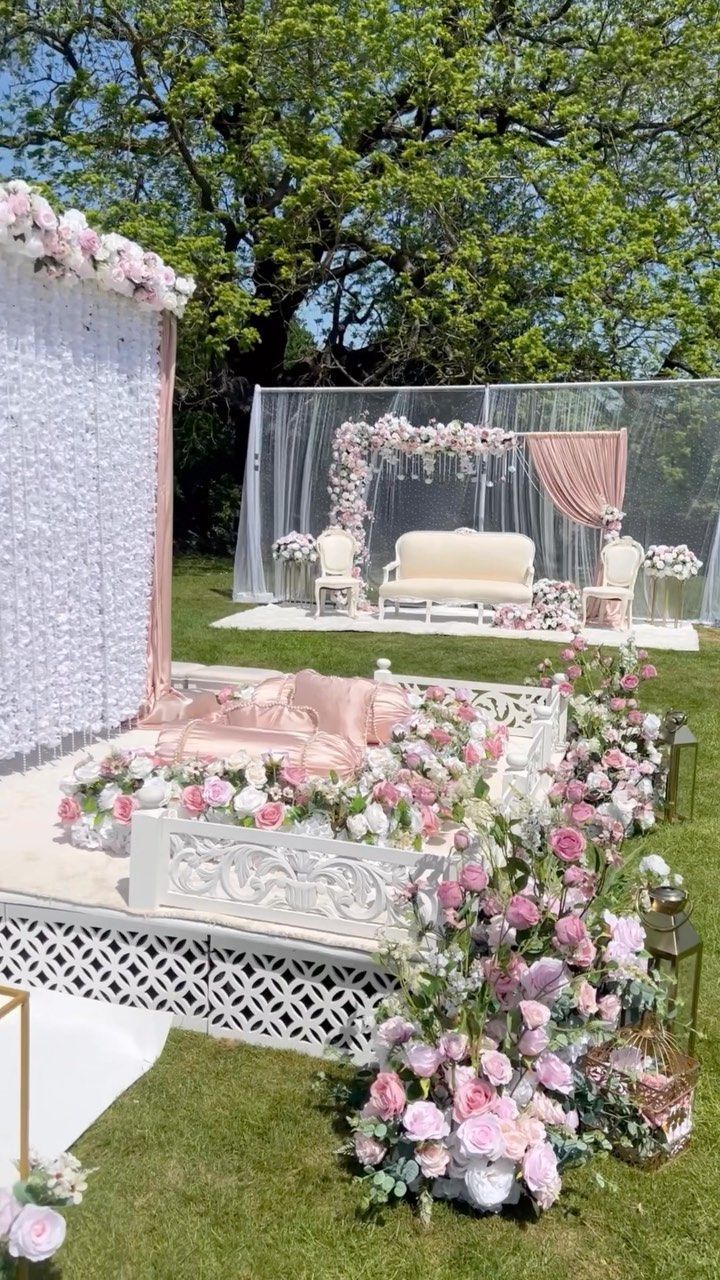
(150, 970)
(295, 999)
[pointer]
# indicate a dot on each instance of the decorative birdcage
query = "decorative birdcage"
(650, 1070)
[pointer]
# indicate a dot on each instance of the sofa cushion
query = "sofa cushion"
(271, 715)
(342, 705)
(390, 705)
(319, 753)
(274, 689)
(477, 590)
(501, 557)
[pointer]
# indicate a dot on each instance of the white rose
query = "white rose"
(87, 772)
(255, 774)
(357, 826)
(83, 835)
(491, 1183)
(153, 793)
(140, 766)
(68, 786)
(651, 726)
(377, 819)
(238, 760)
(316, 825)
(248, 801)
(108, 795)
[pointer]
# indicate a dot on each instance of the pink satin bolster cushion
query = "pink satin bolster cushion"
(342, 706)
(275, 689)
(271, 715)
(178, 707)
(390, 706)
(320, 754)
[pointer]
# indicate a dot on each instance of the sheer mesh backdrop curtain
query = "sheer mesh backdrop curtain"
(79, 394)
(672, 493)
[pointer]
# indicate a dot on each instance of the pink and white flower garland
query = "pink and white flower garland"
(64, 246)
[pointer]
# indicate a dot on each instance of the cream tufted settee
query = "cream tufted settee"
(471, 568)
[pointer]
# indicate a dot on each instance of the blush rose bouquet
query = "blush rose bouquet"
(31, 1227)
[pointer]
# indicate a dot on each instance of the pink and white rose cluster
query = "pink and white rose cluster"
(30, 1226)
(555, 607)
(64, 246)
(677, 562)
(299, 548)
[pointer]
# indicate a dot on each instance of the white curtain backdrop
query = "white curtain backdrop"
(79, 390)
(672, 492)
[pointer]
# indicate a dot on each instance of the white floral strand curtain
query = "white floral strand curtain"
(79, 391)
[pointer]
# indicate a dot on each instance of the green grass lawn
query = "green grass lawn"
(221, 1164)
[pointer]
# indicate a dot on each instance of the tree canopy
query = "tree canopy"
(391, 190)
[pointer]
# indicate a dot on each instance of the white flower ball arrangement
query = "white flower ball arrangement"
(297, 548)
(678, 562)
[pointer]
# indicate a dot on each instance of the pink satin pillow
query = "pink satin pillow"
(319, 755)
(177, 707)
(274, 689)
(342, 706)
(327, 753)
(390, 706)
(271, 715)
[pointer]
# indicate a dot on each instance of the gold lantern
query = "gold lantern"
(681, 751)
(676, 950)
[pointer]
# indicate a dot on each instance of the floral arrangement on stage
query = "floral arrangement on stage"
(611, 520)
(609, 777)
(295, 548)
(431, 772)
(64, 246)
(555, 607)
(30, 1226)
(514, 970)
(671, 562)
(361, 447)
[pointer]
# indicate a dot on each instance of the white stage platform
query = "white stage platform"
(446, 622)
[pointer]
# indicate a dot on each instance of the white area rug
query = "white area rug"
(446, 622)
(83, 1055)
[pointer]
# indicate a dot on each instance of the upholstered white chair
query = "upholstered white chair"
(336, 551)
(621, 562)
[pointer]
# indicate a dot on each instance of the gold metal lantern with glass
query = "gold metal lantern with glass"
(681, 750)
(676, 950)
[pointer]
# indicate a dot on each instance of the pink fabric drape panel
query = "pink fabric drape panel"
(582, 472)
(158, 678)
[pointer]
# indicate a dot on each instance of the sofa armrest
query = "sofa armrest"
(388, 569)
(529, 575)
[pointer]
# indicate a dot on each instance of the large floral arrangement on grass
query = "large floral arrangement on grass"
(555, 607)
(431, 772)
(31, 1227)
(295, 548)
(64, 246)
(513, 970)
(357, 446)
(671, 562)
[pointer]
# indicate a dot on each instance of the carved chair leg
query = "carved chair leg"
(428, 612)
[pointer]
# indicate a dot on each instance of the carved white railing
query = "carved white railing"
(523, 774)
(334, 886)
(523, 709)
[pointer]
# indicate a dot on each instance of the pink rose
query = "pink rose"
(124, 808)
(270, 816)
(534, 1014)
(481, 1136)
(609, 1009)
(574, 671)
(430, 825)
(575, 791)
(224, 695)
(368, 1150)
(433, 1158)
(472, 1098)
(193, 801)
(473, 877)
(387, 1095)
(423, 1059)
(521, 912)
(614, 759)
(88, 242)
(567, 844)
(466, 713)
(69, 810)
(570, 931)
(440, 737)
(539, 1170)
(553, 1073)
(462, 841)
(450, 894)
(532, 1127)
(423, 793)
(582, 812)
(435, 693)
(495, 745)
(586, 997)
(584, 954)
(545, 980)
(514, 1139)
(617, 704)
(565, 688)
(454, 1046)
(496, 1066)
(627, 938)
(217, 792)
(629, 682)
(386, 793)
(394, 1031)
(424, 1122)
(648, 672)
(292, 775)
(531, 1043)
(557, 791)
(472, 753)
(36, 1233)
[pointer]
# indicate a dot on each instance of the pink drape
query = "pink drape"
(582, 472)
(158, 673)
